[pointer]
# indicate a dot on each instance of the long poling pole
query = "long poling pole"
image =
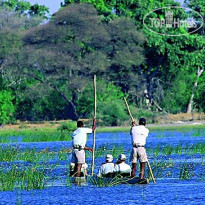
(94, 132)
(150, 169)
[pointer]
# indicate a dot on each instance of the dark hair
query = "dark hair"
(142, 121)
(80, 123)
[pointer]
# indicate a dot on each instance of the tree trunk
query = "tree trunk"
(191, 100)
(147, 99)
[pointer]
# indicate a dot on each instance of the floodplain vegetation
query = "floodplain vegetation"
(38, 169)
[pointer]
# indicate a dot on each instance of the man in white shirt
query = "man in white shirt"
(107, 169)
(139, 134)
(79, 139)
(121, 167)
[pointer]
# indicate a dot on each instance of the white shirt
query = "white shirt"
(139, 134)
(79, 136)
(122, 168)
(106, 168)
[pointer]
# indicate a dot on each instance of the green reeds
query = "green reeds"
(24, 178)
(105, 182)
(10, 154)
(198, 148)
(34, 135)
(186, 171)
(160, 169)
(156, 151)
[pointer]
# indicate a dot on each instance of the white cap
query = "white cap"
(122, 157)
(109, 157)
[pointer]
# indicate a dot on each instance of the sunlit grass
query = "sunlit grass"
(33, 135)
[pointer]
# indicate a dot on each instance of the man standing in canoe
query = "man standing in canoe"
(139, 134)
(79, 139)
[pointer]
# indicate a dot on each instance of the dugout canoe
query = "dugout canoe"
(78, 180)
(135, 180)
(125, 180)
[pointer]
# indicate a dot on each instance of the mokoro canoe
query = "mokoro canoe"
(134, 180)
(125, 180)
(78, 180)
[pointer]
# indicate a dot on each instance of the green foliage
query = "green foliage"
(24, 178)
(66, 129)
(7, 108)
(24, 7)
(106, 38)
(186, 171)
(176, 98)
(110, 104)
(140, 112)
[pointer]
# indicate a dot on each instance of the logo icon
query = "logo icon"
(173, 21)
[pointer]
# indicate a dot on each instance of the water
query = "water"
(169, 189)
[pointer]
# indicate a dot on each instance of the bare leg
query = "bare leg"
(75, 170)
(79, 169)
(134, 165)
(142, 168)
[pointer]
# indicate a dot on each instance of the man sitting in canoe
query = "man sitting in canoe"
(79, 139)
(107, 169)
(139, 134)
(121, 167)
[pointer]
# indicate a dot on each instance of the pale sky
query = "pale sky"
(53, 5)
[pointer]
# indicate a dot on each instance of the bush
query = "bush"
(6, 107)
(139, 112)
(112, 113)
(66, 129)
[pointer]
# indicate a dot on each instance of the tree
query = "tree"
(6, 107)
(73, 47)
(23, 7)
(165, 55)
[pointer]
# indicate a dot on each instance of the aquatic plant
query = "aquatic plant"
(178, 149)
(34, 135)
(160, 169)
(168, 150)
(105, 182)
(156, 151)
(8, 153)
(186, 171)
(25, 178)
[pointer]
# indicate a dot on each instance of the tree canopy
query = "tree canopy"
(49, 68)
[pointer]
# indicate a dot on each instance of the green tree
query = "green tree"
(65, 53)
(166, 56)
(24, 7)
(6, 107)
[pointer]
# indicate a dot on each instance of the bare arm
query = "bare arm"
(94, 124)
(89, 149)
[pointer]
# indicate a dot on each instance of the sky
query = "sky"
(53, 5)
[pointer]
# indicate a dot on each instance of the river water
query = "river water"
(169, 189)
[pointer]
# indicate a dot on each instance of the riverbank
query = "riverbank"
(61, 130)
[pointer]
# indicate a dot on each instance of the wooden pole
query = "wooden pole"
(94, 133)
(150, 169)
(129, 110)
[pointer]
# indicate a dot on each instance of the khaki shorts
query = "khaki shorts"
(138, 153)
(78, 156)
